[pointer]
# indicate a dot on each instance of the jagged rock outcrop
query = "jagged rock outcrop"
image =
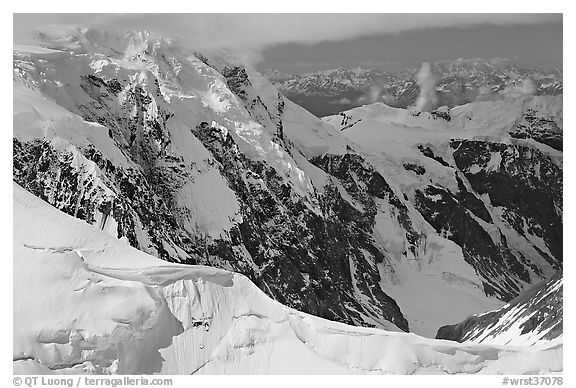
(535, 315)
(524, 188)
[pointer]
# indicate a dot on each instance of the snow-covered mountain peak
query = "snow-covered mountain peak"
(495, 118)
(113, 43)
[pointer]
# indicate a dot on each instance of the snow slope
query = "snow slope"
(390, 130)
(87, 303)
(536, 316)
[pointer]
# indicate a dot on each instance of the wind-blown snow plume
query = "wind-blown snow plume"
(485, 93)
(374, 94)
(371, 96)
(426, 80)
(342, 101)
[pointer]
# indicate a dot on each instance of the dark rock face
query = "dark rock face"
(418, 170)
(427, 151)
(239, 83)
(359, 178)
(50, 175)
(346, 123)
(542, 129)
(310, 261)
(494, 262)
(441, 115)
(525, 183)
(124, 194)
(471, 202)
(537, 310)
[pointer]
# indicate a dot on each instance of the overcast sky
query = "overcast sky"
(308, 42)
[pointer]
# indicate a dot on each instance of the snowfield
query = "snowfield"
(380, 128)
(85, 302)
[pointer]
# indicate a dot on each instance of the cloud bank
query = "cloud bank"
(251, 33)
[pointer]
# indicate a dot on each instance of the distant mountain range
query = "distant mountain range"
(457, 82)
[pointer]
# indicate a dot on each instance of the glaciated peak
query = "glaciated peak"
(114, 43)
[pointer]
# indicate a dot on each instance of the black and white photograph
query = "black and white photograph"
(287, 194)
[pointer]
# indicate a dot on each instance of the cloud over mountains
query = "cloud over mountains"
(250, 33)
